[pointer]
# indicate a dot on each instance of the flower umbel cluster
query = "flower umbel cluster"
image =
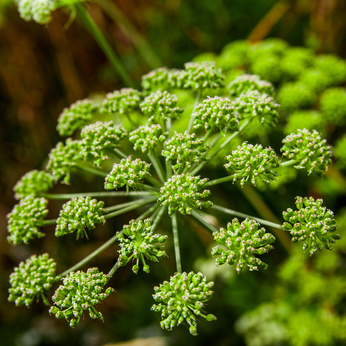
(80, 292)
(183, 299)
(243, 241)
(147, 138)
(181, 192)
(37, 10)
(247, 82)
(25, 219)
(138, 242)
(78, 215)
(312, 224)
(32, 279)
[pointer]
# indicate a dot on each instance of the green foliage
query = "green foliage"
(78, 215)
(183, 299)
(80, 292)
(31, 280)
(25, 219)
(312, 224)
(243, 242)
(138, 242)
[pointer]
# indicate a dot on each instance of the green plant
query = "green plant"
(141, 155)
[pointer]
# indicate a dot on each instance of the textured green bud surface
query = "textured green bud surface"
(241, 242)
(121, 102)
(312, 224)
(308, 150)
(31, 280)
(37, 10)
(63, 158)
(333, 66)
(183, 150)
(80, 292)
(249, 82)
(75, 117)
(139, 243)
(333, 106)
(216, 113)
(181, 192)
(99, 137)
(25, 219)
(183, 299)
(147, 138)
(33, 183)
(252, 162)
(163, 78)
(127, 173)
(78, 215)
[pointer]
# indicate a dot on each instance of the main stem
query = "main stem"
(176, 242)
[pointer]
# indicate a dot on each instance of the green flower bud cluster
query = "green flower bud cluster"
(233, 55)
(215, 113)
(308, 150)
(25, 219)
(252, 162)
(184, 149)
(33, 183)
(63, 158)
(147, 137)
(312, 224)
(99, 137)
(127, 173)
(181, 192)
(32, 279)
(314, 79)
(333, 106)
(243, 241)
(79, 214)
(253, 104)
(268, 68)
(162, 78)
(333, 66)
(340, 151)
(80, 292)
(140, 244)
(305, 119)
(75, 117)
(121, 102)
(160, 105)
(36, 10)
(247, 82)
(183, 299)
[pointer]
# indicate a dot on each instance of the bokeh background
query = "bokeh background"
(45, 68)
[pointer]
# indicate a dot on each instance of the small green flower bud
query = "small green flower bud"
(33, 183)
(127, 173)
(147, 138)
(268, 68)
(158, 79)
(63, 158)
(75, 117)
(295, 62)
(247, 82)
(252, 162)
(121, 102)
(243, 242)
(181, 192)
(333, 66)
(308, 150)
(78, 215)
(80, 292)
(333, 106)
(25, 219)
(140, 243)
(184, 149)
(312, 224)
(31, 280)
(182, 300)
(215, 113)
(159, 106)
(99, 137)
(37, 10)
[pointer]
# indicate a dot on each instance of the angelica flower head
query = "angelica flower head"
(139, 243)
(247, 82)
(32, 279)
(37, 10)
(312, 223)
(240, 243)
(183, 299)
(80, 292)
(78, 215)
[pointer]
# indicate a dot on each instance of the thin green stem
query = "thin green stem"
(91, 170)
(242, 215)
(114, 269)
(153, 181)
(192, 118)
(157, 165)
(158, 217)
(49, 222)
(117, 153)
(219, 181)
(125, 205)
(176, 242)
(206, 224)
(287, 163)
(96, 194)
(104, 45)
(150, 211)
(147, 187)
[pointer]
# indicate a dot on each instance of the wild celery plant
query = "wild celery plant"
(143, 154)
